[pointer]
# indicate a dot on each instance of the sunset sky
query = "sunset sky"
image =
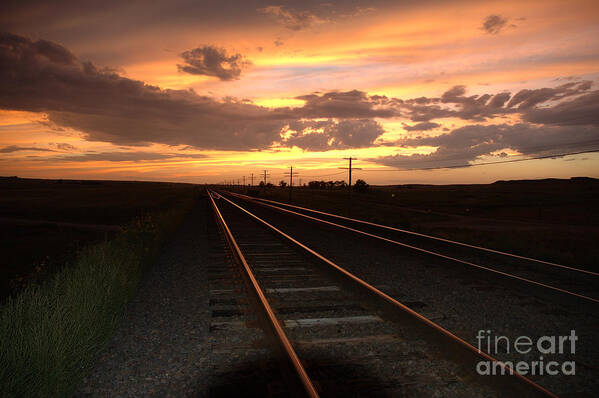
(202, 91)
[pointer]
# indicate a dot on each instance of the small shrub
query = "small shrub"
(361, 186)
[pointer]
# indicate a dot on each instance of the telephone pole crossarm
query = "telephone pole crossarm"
(350, 168)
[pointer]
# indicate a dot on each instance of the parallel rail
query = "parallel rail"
(446, 344)
(267, 203)
(405, 231)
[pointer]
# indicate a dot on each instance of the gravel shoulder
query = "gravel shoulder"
(190, 330)
(161, 347)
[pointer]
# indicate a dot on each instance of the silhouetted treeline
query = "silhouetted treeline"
(359, 186)
(326, 184)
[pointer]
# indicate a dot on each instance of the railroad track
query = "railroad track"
(549, 280)
(235, 337)
(337, 335)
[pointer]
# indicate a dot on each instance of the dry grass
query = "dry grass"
(50, 334)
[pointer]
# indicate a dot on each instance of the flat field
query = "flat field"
(552, 219)
(44, 222)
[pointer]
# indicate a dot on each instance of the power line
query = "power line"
(325, 175)
(465, 165)
(559, 155)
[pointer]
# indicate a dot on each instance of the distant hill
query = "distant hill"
(551, 181)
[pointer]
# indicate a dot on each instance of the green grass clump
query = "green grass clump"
(50, 334)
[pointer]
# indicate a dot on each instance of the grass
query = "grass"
(44, 223)
(50, 334)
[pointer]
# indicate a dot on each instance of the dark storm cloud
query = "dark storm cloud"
(493, 24)
(467, 143)
(455, 103)
(213, 61)
(113, 18)
(314, 13)
(334, 135)
(356, 129)
(35, 76)
(499, 100)
(347, 104)
(42, 76)
(112, 108)
(422, 100)
(583, 110)
(425, 113)
(453, 94)
(421, 126)
(522, 137)
(566, 118)
(526, 98)
(124, 156)
(15, 148)
(473, 107)
(63, 146)
(290, 18)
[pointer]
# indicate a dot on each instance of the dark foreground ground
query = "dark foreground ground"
(552, 219)
(168, 342)
(44, 222)
(189, 330)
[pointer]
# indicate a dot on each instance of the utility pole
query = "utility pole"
(350, 168)
(264, 187)
(291, 174)
(244, 181)
(252, 179)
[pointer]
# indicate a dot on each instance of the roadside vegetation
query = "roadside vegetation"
(44, 223)
(51, 332)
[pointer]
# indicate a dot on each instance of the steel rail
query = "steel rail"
(283, 340)
(482, 267)
(425, 236)
(448, 343)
